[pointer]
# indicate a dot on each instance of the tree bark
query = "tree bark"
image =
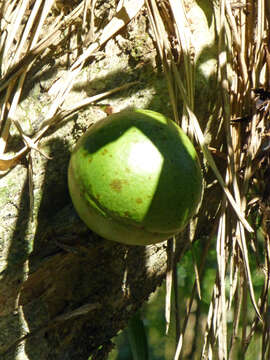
(73, 291)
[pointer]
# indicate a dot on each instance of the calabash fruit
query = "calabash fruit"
(135, 178)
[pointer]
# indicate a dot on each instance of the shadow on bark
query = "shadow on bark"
(13, 276)
(81, 289)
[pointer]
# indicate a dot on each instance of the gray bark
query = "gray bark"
(65, 291)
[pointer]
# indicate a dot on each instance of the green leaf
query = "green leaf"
(137, 338)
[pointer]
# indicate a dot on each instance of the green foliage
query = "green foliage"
(137, 338)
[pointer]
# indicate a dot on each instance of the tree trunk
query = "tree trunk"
(66, 297)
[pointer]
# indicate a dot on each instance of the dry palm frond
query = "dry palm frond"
(30, 46)
(243, 74)
(241, 69)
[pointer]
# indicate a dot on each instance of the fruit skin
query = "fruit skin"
(134, 177)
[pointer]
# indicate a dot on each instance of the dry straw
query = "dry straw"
(242, 52)
(243, 60)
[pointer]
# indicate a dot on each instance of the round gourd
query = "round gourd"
(135, 178)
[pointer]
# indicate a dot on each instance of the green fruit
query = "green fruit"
(135, 178)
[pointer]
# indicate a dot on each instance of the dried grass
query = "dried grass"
(15, 69)
(243, 65)
(240, 69)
